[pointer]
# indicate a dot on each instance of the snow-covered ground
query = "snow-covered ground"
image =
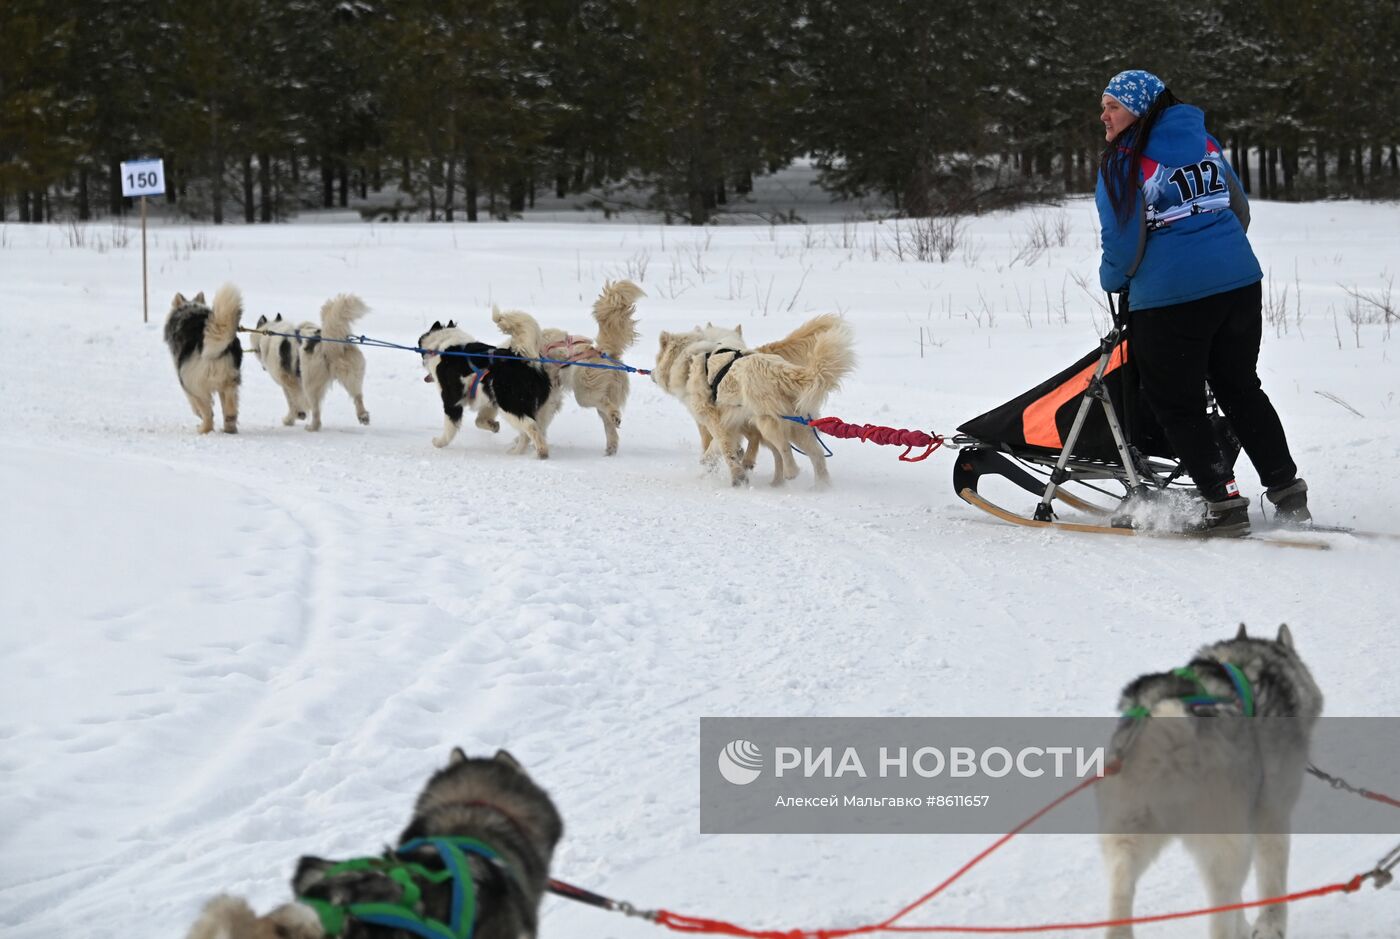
(219, 653)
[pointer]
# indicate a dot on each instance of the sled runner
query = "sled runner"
(1087, 427)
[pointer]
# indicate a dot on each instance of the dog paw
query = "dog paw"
(440, 442)
(610, 451)
(1267, 930)
(364, 418)
(230, 428)
(543, 454)
(314, 426)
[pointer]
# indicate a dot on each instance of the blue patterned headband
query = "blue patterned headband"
(1135, 90)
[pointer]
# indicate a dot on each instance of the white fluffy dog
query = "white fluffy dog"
(729, 389)
(601, 389)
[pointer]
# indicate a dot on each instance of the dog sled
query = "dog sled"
(1085, 440)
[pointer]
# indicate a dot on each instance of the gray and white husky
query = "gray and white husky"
(491, 800)
(203, 341)
(303, 365)
(1197, 766)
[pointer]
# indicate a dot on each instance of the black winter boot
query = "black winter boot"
(1229, 517)
(1291, 503)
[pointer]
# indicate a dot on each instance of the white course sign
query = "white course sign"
(143, 177)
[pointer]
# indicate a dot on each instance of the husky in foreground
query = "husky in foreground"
(304, 365)
(489, 379)
(504, 826)
(1215, 754)
(203, 341)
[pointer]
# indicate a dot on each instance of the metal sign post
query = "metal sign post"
(143, 178)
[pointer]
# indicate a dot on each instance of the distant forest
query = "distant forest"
(449, 109)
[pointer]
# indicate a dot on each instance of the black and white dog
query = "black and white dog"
(304, 366)
(488, 379)
(208, 357)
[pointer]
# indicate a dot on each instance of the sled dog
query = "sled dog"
(601, 389)
(488, 379)
(304, 365)
(490, 800)
(730, 389)
(203, 341)
(1223, 775)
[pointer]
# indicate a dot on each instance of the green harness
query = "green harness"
(1244, 692)
(410, 875)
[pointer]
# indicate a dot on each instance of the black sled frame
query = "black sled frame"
(1045, 474)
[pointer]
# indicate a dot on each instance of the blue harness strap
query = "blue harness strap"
(1244, 692)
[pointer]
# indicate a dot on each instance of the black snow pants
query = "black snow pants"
(1177, 350)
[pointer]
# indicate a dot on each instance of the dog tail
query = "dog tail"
(338, 313)
(226, 917)
(616, 311)
(221, 328)
(831, 359)
(523, 330)
(796, 347)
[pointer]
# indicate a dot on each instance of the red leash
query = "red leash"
(679, 922)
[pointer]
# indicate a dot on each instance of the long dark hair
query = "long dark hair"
(1122, 157)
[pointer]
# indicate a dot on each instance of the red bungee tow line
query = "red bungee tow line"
(885, 436)
(677, 922)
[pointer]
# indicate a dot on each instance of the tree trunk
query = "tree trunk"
(1360, 171)
(22, 202)
(561, 185)
(218, 169)
(743, 185)
(250, 211)
(1394, 161)
(265, 185)
(344, 174)
(327, 182)
(174, 184)
(1320, 158)
(721, 197)
(1375, 162)
(114, 187)
(516, 194)
(470, 193)
(431, 177)
(1290, 164)
(1344, 168)
(295, 161)
(451, 186)
(1242, 170)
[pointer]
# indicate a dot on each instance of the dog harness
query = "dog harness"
(1203, 701)
(576, 349)
(409, 875)
(475, 382)
(723, 370)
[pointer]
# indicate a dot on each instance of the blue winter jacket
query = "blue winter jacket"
(1185, 238)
